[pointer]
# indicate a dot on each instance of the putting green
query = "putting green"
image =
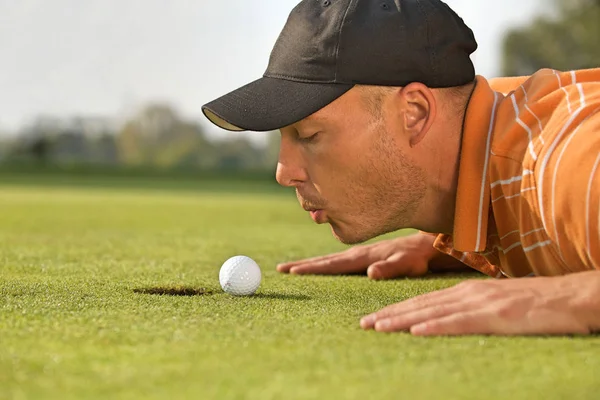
(114, 293)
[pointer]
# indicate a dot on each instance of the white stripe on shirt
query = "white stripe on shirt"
(546, 159)
(588, 209)
(538, 121)
(564, 90)
(524, 126)
(485, 168)
(513, 179)
(537, 245)
(553, 188)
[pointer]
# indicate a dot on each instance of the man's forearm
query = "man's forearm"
(586, 304)
(559, 305)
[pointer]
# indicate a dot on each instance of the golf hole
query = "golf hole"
(173, 291)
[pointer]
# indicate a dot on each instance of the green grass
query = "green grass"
(78, 266)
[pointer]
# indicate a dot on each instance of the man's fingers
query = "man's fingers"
(342, 264)
(387, 269)
(406, 321)
(504, 319)
(285, 267)
(476, 322)
(428, 300)
(395, 267)
(382, 270)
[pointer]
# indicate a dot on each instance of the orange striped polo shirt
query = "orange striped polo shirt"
(528, 200)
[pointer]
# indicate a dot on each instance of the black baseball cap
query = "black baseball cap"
(329, 46)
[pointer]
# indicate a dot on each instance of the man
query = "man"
(384, 126)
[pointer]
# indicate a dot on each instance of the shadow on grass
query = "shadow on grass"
(428, 277)
(280, 296)
(188, 291)
(174, 291)
(453, 275)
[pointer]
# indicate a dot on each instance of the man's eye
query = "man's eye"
(308, 139)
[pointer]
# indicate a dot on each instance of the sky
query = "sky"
(110, 57)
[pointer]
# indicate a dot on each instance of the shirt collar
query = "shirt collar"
(473, 192)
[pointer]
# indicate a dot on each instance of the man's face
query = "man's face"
(352, 168)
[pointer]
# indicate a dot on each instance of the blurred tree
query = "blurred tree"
(81, 140)
(40, 149)
(158, 136)
(103, 149)
(70, 145)
(272, 150)
(35, 142)
(569, 39)
(155, 137)
(5, 147)
(238, 154)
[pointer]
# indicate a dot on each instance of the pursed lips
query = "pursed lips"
(316, 210)
(316, 214)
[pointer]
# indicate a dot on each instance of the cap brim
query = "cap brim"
(269, 104)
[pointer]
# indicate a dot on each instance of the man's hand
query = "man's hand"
(525, 306)
(408, 256)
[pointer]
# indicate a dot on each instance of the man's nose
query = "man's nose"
(291, 171)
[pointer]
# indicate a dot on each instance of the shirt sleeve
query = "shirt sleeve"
(571, 194)
(506, 85)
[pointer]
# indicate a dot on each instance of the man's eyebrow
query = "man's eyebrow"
(311, 119)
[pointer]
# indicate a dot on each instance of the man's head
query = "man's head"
(379, 82)
(369, 163)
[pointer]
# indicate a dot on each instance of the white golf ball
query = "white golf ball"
(240, 276)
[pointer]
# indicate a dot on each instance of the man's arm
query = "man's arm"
(409, 256)
(569, 183)
(526, 306)
(506, 85)
(569, 176)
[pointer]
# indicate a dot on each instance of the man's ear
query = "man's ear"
(419, 111)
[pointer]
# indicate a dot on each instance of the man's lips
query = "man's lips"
(317, 215)
(314, 208)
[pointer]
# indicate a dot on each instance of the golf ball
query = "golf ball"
(240, 276)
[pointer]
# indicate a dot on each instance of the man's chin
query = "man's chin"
(348, 238)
